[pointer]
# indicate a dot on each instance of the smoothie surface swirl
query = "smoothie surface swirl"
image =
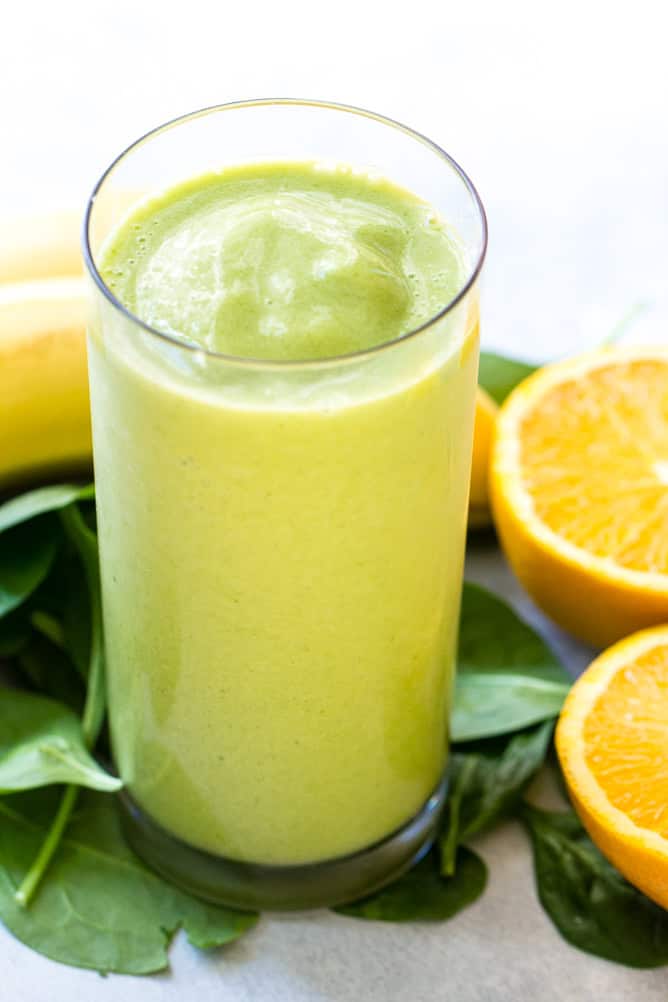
(284, 261)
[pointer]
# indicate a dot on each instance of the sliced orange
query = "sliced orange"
(579, 488)
(485, 416)
(611, 740)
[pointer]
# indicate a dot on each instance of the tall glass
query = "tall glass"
(281, 550)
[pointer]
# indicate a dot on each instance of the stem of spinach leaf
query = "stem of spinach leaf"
(49, 627)
(85, 543)
(39, 866)
(449, 844)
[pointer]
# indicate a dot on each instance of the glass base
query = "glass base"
(263, 887)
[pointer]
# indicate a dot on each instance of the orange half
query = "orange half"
(579, 486)
(611, 741)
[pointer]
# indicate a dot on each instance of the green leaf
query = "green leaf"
(77, 627)
(100, 908)
(499, 374)
(422, 894)
(26, 555)
(492, 638)
(84, 541)
(496, 786)
(590, 903)
(49, 627)
(41, 742)
(14, 634)
(488, 704)
(29, 505)
(488, 780)
(461, 772)
(63, 596)
(50, 671)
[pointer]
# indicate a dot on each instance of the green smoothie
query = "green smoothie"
(282, 543)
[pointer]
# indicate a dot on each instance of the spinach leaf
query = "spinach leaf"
(85, 542)
(50, 671)
(590, 903)
(422, 894)
(76, 617)
(26, 555)
(490, 703)
(461, 773)
(496, 785)
(29, 505)
(487, 780)
(49, 627)
(101, 908)
(499, 374)
(14, 634)
(493, 638)
(41, 742)
(61, 607)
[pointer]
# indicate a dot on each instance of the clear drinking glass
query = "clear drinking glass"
(281, 549)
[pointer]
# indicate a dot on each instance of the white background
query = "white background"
(559, 112)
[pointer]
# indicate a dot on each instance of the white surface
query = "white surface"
(559, 114)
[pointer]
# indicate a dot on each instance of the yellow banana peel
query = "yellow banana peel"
(40, 246)
(44, 405)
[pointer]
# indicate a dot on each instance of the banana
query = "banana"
(40, 246)
(48, 245)
(44, 406)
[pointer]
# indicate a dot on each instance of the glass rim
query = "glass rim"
(181, 341)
